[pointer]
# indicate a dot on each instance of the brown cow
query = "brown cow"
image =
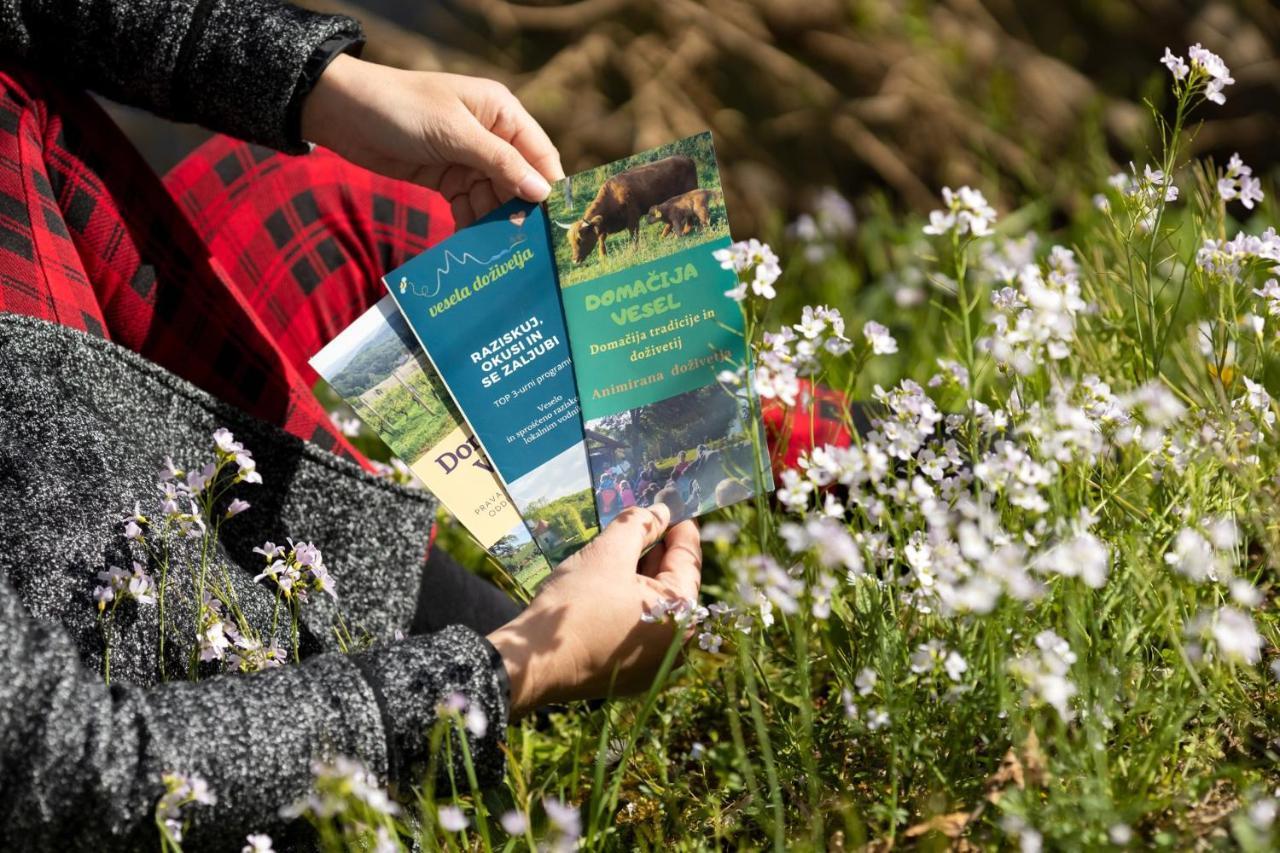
(623, 200)
(682, 213)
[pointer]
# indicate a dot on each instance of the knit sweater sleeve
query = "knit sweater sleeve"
(83, 762)
(239, 67)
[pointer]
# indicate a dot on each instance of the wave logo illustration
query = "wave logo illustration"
(452, 264)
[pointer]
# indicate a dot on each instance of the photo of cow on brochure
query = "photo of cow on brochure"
(637, 209)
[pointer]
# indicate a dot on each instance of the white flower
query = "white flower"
(181, 790)
(865, 681)
(1244, 593)
(1270, 293)
(846, 702)
(1258, 400)
(213, 641)
(1120, 834)
(940, 222)
(564, 817)
(1232, 632)
(1262, 813)
(1192, 555)
(1176, 64)
(257, 843)
(877, 719)
(754, 256)
(1083, 555)
(966, 211)
(1236, 636)
(719, 532)
(1045, 673)
(350, 427)
(955, 666)
(1238, 182)
(226, 442)
(709, 642)
(882, 343)
(514, 822)
(926, 656)
(476, 721)
(452, 819)
(795, 490)
(236, 507)
(1217, 75)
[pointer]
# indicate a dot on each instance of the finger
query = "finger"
(532, 142)
(458, 180)
(483, 198)
(463, 215)
(651, 562)
(499, 160)
(629, 534)
(681, 569)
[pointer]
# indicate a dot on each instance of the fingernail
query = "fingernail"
(534, 187)
(662, 511)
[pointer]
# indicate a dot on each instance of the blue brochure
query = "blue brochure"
(486, 308)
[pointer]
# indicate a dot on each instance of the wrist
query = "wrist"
(324, 105)
(517, 650)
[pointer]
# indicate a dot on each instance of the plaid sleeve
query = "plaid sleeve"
(235, 66)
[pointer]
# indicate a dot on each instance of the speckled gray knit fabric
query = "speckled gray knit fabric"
(230, 65)
(84, 428)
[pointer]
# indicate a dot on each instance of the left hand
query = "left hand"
(466, 137)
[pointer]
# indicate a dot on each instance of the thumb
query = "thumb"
(628, 535)
(502, 164)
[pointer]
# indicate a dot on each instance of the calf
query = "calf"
(681, 214)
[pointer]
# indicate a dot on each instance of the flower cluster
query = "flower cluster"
(967, 212)
(119, 585)
(795, 351)
(296, 571)
(1238, 182)
(181, 792)
(756, 258)
(1038, 318)
(1227, 258)
(1206, 68)
(1045, 672)
(340, 786)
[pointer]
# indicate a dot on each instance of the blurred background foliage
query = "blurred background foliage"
(899, 96)
(878, 98)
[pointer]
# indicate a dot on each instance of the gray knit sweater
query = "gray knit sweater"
(84, 427)
(240, 67)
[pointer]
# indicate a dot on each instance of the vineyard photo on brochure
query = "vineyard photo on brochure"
(988, 504)
(1020, 593)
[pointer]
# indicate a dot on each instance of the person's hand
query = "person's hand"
(466, 137)
(582, 636)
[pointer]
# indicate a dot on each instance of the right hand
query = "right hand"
(466, 137)
(582, 636)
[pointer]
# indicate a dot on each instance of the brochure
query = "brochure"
(485, 307)
(651, 328)
(378, 368)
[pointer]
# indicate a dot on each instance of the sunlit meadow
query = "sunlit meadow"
(1033, 605)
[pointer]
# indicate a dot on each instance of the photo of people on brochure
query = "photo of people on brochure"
(699, 460)
(637, 209)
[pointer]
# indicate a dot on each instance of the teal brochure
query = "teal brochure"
(651, 329)
(485, 307)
